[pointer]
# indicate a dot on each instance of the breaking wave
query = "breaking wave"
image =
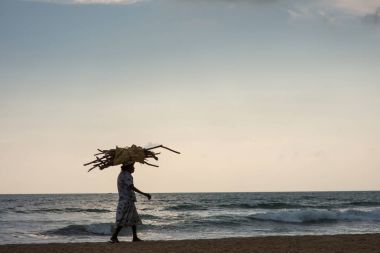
(318, 215)
(91, 229)
(99, 229)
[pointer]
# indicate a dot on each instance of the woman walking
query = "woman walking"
(126, 215)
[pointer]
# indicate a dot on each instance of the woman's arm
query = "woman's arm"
(143, 193)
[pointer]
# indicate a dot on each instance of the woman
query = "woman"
(126, 215)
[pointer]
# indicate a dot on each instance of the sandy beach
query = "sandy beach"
(313, 244)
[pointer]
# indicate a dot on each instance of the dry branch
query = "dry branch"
(117, 156)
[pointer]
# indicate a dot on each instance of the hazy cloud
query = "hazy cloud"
(357, 7)
(104, 1)
(312, 11)
(330, 18)
(330, 11)
(373, 18)
(336, 11)
(251, 1)
(151, 144)
(135, 1)
(88, 1)
(365, 10)
(296, 13)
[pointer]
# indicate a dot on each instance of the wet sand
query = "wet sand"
(302, 244)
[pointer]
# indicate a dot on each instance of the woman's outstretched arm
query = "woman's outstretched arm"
(143, 193)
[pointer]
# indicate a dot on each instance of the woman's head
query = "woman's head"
(130, 167)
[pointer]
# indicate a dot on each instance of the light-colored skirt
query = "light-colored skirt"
(126, 214)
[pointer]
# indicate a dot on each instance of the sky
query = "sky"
(257, 95)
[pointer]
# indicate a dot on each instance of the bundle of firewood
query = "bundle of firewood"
(117, 156)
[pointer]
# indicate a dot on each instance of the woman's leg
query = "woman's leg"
(115, 234)
(134, 231)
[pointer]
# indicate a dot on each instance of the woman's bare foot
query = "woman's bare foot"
(113, 240)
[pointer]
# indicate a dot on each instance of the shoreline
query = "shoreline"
(355, 243)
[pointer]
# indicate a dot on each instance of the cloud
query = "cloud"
(373, 18)
(251, 1)
(312, 11)
(331, 11)
(356, 7)
(232, 1)
(336, 11)
(328, 17)
(151, 144)
(88, 1)
(366, 10)
(299, 13)
(104, 1)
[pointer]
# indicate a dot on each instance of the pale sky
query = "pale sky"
(257, 95)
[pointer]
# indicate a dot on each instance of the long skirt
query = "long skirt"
(126, 214)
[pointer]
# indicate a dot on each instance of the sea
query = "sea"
(46, 218)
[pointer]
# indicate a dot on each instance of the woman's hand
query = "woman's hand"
(142, 193)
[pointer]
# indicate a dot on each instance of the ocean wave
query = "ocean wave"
(270, 205)
(364, 203)
(287, 205)
(216, 223)
(220, 221)
(149, 217)
(99, 229)
(91, 229)
(317, 215)
(64, 210)
(185, 207)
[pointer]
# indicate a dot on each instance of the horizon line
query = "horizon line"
(78, 193)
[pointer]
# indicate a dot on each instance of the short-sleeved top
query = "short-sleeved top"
(124, 186)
